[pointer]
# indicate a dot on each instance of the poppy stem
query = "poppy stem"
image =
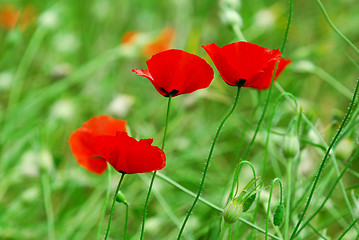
(208, 160)
(113, 205)
(106, 201)
(155, 172)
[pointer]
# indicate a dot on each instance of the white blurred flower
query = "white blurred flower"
(120, 105)
(32, 161)
(66, 42)
(61, 71)
(28, 164)
(63, 110)
(304, 66)
(6, 79)
(231, 17)
(264, 18)
(49, 19)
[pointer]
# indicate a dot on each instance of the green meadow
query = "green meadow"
(63, 62)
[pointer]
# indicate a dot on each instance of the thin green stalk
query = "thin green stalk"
(334, 161)
(107, 197)
(224, 230)
(48, 206)
(330, 192)
(347, 230)
(155, 172)
(255, 133)
(288, 199)
(324, 161)
(113, 205)
(269, 201)
(208, 161)
(335, 28)
(126, 222)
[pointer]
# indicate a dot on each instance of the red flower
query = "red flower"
(104, 139)
(10, 17)
(127, 155)
(246, 63)
(174, 72)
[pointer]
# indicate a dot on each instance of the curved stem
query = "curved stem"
(253, 171)
(155, 172)
(208, 160)
(316, 180)
(106, 201)
(113, 205)
(269, 201)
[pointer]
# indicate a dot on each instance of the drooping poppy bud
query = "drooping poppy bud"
(278, 215)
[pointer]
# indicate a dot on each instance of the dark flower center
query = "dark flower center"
(241, 82)
(169, 94)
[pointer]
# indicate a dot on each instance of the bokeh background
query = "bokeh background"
(62, 62)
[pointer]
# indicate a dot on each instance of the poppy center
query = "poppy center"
(169, 94)
(241, 82)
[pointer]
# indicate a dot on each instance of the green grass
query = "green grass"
(62, 75)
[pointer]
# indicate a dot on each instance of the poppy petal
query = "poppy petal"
(244, 60)
(128, 155)
(83, 145)
(85, 151)
(176, 72)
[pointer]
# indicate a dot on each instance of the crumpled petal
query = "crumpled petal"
(83, 146)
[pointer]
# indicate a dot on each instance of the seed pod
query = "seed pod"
(278, 216)
(121, 198)
(248, 202)
(232, 212)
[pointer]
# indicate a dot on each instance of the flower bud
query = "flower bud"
(232, 211)
(278, 216)
(248, 202)
(291, 146)
(121, 198)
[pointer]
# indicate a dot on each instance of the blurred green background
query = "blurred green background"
(66, 61)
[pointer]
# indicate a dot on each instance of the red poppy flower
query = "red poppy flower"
(174, 72)
(127, 155)
(10, 17)
(246, 64)
(104, 139)
(82, 143)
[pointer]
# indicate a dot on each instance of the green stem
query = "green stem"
(155, 172)
(347, 230)
(269, 202)
(113, 205)
(330, 192)
(48, 206)
(126, 222)
(237, 170)
(289, 192)
(316, 180)
(335, 28)
(208, 161)
(223, 230)
(106, 202)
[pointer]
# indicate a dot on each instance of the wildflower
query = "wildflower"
(161, 43)
(174, 72)
(82, 142)
(246, 64)
(10, 17)
(104, 139)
